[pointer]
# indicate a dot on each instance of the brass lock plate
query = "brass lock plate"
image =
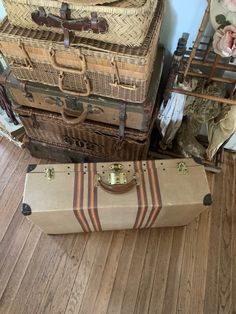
(182, 167)
(49, 173)
(116, 176)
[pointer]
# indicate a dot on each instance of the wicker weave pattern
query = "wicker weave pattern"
(100, 140)
(134, 66)
(127, 25)
(100, 83)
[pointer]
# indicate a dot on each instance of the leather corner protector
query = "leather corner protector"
(207, 200)
(31, 167)
(26, 209)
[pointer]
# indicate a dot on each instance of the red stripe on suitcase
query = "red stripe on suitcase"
(155, 192)
(78, 197)
(92, 198)
(141, 195)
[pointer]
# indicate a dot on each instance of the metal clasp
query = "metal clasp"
(49, 173)
(182, 167)
(116, 176)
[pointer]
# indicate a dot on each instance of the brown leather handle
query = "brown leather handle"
(117, 188)
(74, 121)
(74, 93)
(52, 58)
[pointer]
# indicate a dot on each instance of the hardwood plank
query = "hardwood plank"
(15, 187)
(94, 244)
(95, 277)
(56, 296)
(21, 267)
(146, 283)
(47, 273)
(131, 289)
(44, 252)
(233, 252)
(162, 266)
(186, 288)
(10, 235)
(212, 275)
(174, 271)
(225, 270)
(109, 273)
(122, 273)
(13, 254)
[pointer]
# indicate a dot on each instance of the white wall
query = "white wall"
(181, 16)
(2, 11)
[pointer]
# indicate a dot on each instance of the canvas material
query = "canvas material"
(74, 202)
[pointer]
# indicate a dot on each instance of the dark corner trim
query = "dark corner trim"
(31, 167)
(26, 210)
(207, 200)
(198, 160)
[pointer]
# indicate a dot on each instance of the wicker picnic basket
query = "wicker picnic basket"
(95, 139)
(123, 22)
(87, 66)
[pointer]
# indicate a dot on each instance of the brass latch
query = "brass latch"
(116, 176)
(49, 173)
(182, 167)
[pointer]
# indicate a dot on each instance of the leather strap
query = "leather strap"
(122, 120)
(95, 24)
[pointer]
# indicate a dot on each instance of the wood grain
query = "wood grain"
(168, 270)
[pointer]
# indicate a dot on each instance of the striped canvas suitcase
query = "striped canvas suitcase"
(124, 22)
(112, 196)
(75, 110)
(87, 66)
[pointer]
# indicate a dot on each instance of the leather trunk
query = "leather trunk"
(93, 108)
(58, 153)
(86, 67)
(90, 138)
(68, 198)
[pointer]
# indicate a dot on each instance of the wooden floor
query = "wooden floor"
(172, 270)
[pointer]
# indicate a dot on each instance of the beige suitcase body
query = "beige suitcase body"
(68, 198)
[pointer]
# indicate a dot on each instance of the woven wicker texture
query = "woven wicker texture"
(87, 2)
(128, 21)
(117, 71)
(98, 139)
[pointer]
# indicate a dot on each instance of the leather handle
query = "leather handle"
(52, 58)
(117, 188)
(124, 86)
(71, 92)
(74, 121)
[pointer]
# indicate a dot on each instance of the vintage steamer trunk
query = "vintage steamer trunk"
(59, 153)
(87, 67)
(90, 138)
(93, 108)
(124, 22)
(105, 196)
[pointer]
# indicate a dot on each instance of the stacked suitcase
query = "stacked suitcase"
(84, 77)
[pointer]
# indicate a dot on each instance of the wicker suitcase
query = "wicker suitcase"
(90, 138)
(113, 196)
(87, 67)
(57, 153)
(124, 22)
(94, 108)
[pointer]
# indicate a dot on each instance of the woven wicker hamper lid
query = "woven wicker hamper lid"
(88, 2)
